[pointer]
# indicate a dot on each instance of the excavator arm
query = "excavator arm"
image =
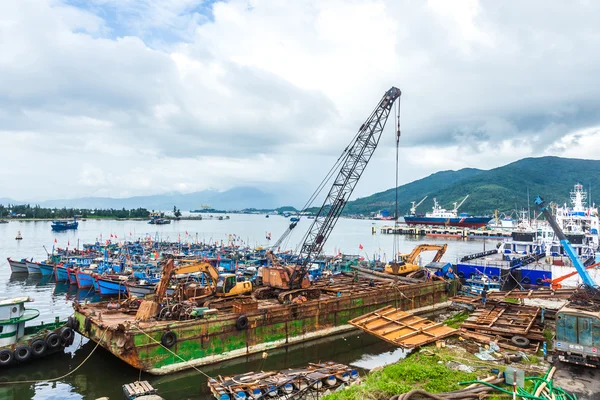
(441, 249)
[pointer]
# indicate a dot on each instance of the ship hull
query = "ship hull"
(217, 338)
(463, 222)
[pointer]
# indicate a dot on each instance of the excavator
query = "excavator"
(221, 286)
(407, 261)
(288, 281)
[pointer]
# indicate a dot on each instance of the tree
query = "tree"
(177, 212)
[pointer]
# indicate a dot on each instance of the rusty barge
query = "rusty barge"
(164, 346)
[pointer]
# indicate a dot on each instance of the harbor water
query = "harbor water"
(102, 374)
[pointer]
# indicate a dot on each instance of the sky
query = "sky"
(120, 98)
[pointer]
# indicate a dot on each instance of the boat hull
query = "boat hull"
(109, 287)
(211, 340)
(46, 269)
(463, 222)
(61, 274)
(33, 268)
(84, 280)
(17, 266)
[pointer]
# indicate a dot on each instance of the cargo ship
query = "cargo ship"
(441, 216)
(203, 337)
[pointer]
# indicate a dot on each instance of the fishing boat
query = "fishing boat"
(46, 269)
(17, 266)
(84, 279)
(19, 236)
(60, 225)
(60, 273)
(20, 343)
(441, 216)
(476, 285)
(110, 286)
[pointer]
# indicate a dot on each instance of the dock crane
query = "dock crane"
(292, 280)
(413, 208)
(577, 336)
(456, 207)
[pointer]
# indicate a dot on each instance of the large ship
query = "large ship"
(441, 216)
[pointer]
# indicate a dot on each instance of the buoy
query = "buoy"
(19, 237)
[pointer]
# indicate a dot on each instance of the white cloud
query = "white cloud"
(149, 96)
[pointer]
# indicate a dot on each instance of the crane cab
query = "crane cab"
(228, 285)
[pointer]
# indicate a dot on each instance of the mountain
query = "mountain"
(234, 199)
(504, 188)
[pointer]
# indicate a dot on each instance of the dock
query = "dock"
(445, 231)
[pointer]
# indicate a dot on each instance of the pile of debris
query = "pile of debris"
(511, 326)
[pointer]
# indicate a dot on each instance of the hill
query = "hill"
(504, 188)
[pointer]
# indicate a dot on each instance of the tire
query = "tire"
(6, 357)
(22, 353)
(38, 347)
(495, 278)
(66, 334)
(168, 339)
(52, 340)
(73, 323)
(461, 275)
(539, 282)
(520, 341)
(526, 280)
(510, 358)
(242, 323)
(87, 324)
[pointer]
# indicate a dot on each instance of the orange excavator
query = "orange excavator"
(407, 263)
(555, 283)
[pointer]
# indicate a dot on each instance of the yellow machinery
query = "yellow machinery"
(222, 285)
(407, 262)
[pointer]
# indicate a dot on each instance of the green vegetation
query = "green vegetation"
(504, 188)
(416, 371)
(457, 319)
(28, 211)
(513, 301)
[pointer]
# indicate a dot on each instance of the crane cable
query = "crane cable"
(396, 243)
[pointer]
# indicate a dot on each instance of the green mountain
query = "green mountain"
(504, 188)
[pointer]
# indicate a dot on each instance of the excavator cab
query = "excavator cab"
(227, 285)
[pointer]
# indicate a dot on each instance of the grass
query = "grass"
(512, 301)
(457, 319)
(416, 371)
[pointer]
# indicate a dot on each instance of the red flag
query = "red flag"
(115, 236)
(111, 235)
(55, 240)
(360, 246)
(130, 234)
(186, 233)
(68, 243)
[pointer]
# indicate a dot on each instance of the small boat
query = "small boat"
(20, 343)
(71, 273)
(19, 237)
(476, 285)
(84, 279)
(32, 267)
(111, 286)
(58, 225)
(294, 219)
(46, 269)
(17, 266)
(3, 221)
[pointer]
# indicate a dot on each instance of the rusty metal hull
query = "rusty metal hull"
(218, 338)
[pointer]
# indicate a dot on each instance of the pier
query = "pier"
(444, 231)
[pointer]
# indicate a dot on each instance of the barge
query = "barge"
(240, 328)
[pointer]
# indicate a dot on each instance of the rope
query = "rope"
(396, 243)
(169, 350)
(65, 375)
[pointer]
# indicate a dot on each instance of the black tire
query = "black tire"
(22, 353)
(495, 278)
(52, 340)
(461, 275)
(38, 347)
(73, 323)
(242, 323)
(168, 339)
(87, 324)
(66, 334)
(6, 357)
(526, 280)
(539, 282)
(520, 341)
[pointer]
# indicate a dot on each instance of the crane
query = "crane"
(456, 207)
(290, 280)
(555, 283)
(407, 261)
(413, 208)
(586, 278)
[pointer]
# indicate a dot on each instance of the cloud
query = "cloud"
(149, 96)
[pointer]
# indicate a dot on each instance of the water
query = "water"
(103, 374)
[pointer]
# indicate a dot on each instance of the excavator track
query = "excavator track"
(289, 295)
(263, 293)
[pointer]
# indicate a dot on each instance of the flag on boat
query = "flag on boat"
(55, 240)
(360, 246)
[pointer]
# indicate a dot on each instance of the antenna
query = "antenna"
(528, 206)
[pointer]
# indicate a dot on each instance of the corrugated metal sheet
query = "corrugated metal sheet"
(401, 328)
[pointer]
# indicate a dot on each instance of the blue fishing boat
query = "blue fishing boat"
(58, 225)
(108, 287)
(60, 273)
(46, 269)
(84, 279)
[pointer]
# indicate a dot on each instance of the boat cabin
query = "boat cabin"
(13, 316)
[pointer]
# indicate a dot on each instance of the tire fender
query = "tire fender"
(242, 323)
(38, 347)
(66, 334)
(52, 340)
(6, 357)
(168, 339)
(22, 353)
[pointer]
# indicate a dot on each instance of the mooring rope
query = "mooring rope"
(169, 350)
(63, 376)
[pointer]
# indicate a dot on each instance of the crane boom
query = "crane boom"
(413, 209)
(456, 207)
(585, 276)
(285, 235)
(354, 160)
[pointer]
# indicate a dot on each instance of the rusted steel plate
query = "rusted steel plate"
(401, 328)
